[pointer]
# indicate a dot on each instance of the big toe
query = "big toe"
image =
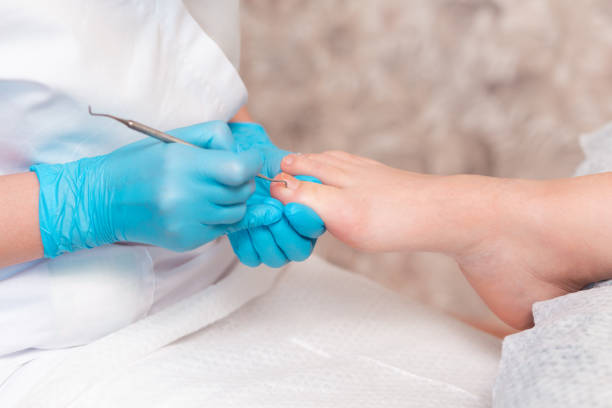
(324, 200)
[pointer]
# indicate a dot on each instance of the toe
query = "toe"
(342, 156)
(349, 158)
(324, 200)
(316, 165)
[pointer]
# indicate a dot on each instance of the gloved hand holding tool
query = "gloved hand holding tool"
(166, 194)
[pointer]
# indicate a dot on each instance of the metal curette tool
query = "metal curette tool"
(164, 137)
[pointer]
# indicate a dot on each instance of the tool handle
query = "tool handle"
(149, 131)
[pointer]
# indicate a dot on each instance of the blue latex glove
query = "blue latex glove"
(293, 237)
(170, 195)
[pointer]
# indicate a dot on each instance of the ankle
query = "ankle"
(532, 222)
(558, 218)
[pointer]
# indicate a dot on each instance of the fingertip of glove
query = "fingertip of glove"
(308, 178)
(277, 264)
(303, 256)
(304, 220)
(250, 262)
(244, 126)
(243, 250)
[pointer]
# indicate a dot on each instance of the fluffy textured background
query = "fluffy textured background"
(495, 87)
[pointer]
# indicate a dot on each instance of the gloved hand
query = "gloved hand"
(293, 237)
(171, 195)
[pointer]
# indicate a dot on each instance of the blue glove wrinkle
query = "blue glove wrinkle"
(63, 223)
(264, 213)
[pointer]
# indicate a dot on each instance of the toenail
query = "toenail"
(292, 183)
(288, 160)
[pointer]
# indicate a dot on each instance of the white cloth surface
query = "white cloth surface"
(145, 60)
(322, 337)
(565, 360)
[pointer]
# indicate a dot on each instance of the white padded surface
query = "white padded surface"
(320, 337)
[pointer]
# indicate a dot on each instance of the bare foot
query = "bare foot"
(492, 227)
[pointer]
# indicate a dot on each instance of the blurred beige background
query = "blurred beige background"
(494, 87)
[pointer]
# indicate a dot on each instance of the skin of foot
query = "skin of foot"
(516, 241)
